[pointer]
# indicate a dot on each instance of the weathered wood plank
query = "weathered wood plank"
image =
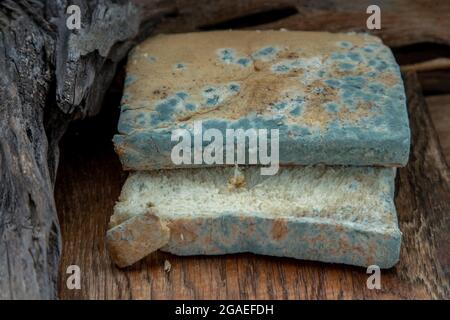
(435, 82)
(423, 202)
(403, 22)
(89, 183)
(439, 106)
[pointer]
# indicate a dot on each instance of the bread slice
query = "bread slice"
(336, 99)
(330, 214)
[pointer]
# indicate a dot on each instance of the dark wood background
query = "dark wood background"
(90, 176)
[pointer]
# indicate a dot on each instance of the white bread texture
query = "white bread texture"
(330, 214)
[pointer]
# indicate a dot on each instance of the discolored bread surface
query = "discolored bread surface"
(337, 99)
(330, 214)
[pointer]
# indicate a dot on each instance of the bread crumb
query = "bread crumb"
(167, 266)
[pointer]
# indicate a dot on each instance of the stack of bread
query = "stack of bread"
(333, 107)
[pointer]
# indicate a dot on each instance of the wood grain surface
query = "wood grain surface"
(89, 182)
(439, 106)
(404, 22)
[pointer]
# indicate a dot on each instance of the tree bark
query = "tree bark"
(50, 75)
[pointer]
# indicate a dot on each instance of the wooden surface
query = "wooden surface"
(89, 182)
(404, 22)
(439, 106)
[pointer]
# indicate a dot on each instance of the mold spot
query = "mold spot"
(337, 56)
(180, 66)
(226, 55)
(382, 65)
(245, 62)
(190, 106)
(213, 101)
(129, 80)
(354, 56)
(376, 88)
(296, 111)
(215, 95)
(353, 186)
(182, 95)
(165, 109)
(209, 91)
(331, 107)
(150, 59)
(344, 44)
(172, 102)
(354, 81)
(140, 119)
(346, 94)
(293, 105)
(154, 119)
(332, 83)
(234, 87)
(280, 105)
(318, 90)
(265, 54)
(280, 68)
(124, 107)
(346, 66)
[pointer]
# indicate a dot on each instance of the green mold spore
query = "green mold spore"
(344, 44)
(180, 66)
(346, 66)
(331, 107)
(227, 55)
(266, 53)
(234, 87)
(129, 80)
(244, 62)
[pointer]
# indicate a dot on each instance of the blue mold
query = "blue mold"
(331, 228)
(266, 53)
(344, 106)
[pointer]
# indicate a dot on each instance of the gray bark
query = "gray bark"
(50, 75)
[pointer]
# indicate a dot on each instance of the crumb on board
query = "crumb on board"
(167, 266)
